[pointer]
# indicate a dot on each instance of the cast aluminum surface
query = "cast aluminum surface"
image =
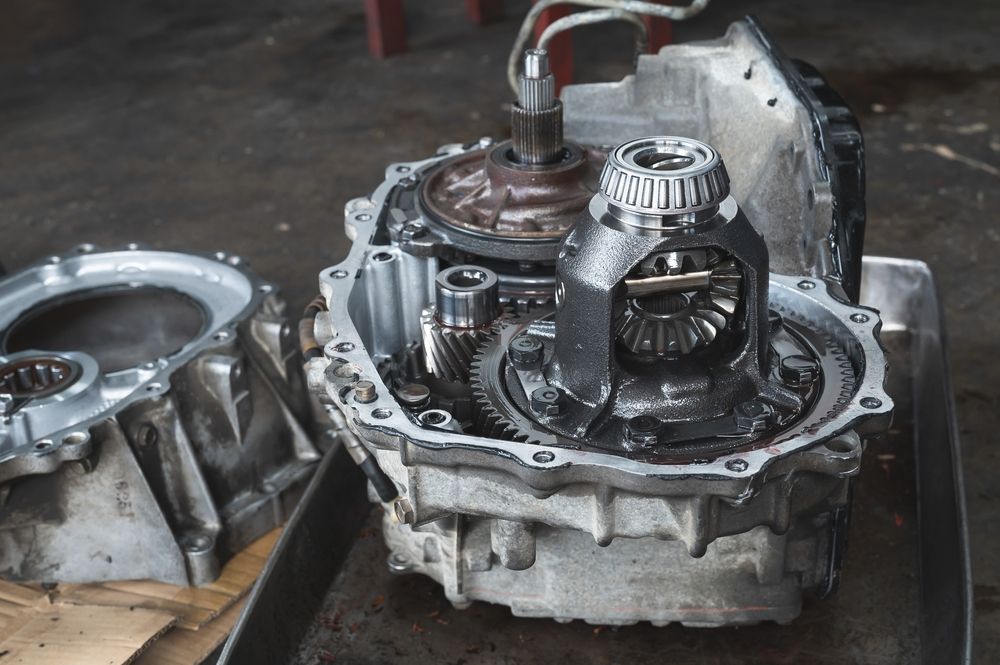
(488, 511)
(164, 468)
(47, 432)
(784, 184)
(906, 596)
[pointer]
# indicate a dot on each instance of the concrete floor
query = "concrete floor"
(245, 126)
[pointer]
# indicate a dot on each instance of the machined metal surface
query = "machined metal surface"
(666, 175)
(161, 423)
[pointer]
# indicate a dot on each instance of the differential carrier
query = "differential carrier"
(586, 392)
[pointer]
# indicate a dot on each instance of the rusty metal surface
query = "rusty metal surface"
(485, 192)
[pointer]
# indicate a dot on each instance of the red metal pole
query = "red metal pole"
(660, 30)
(386, 27)
(484, 11)
(560, 48)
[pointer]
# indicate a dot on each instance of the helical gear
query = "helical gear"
(448, 352)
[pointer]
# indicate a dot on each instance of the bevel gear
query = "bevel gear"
(674, 324)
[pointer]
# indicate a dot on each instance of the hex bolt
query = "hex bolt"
(364, 392)
(412, 231)
(799, 371)
(525, 352)
(643, 430)
(545, 400)
(403, 510)
(737, 465)
(753, 416)
(6, 403)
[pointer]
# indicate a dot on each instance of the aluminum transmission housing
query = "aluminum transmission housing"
(154, 421)
(622, 381)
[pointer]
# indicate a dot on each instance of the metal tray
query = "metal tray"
(905, 597)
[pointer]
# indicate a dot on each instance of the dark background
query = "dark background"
(246, 126)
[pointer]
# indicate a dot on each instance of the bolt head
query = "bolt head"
(403, 510)
(411, 231)
(545, 401)
(799, 371)
(754, 416)
(871, 402)
(525, 352)
(737, 465)
(643, 430)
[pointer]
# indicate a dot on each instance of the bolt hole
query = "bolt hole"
(543, 457)
(76, 438)
(807, 285)
(871, 402)
(402, 168)
(859, 318)
(343, 347)
(199, 543)
(434, 417)
(382, 257)
(44, 444)
(839, 446)
(338, 274)
(221, 336)
(345, 371)
(467, 279)
(363, 217)
(148, 436)
(381, 414)
(153, 387)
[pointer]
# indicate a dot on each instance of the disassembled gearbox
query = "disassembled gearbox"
(154, 417)
(611, 369)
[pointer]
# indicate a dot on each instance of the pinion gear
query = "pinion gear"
(675, 324)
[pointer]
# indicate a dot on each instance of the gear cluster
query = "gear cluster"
(674, 323)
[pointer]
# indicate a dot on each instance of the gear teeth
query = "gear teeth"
(486, 419)
(449, 352)
(692, 326)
